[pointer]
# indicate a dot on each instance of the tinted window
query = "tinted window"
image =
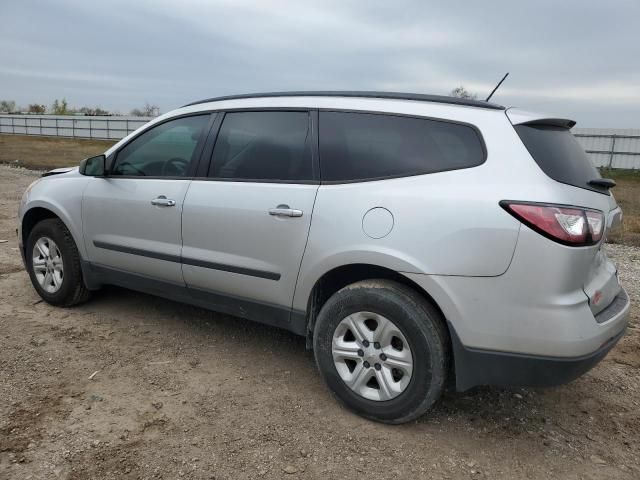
(359, 146)
(263, 146)
(559, 155)
(164, 151)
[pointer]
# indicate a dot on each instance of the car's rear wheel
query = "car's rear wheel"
(382, 349)
(53, 263)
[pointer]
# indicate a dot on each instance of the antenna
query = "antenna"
(497, 86)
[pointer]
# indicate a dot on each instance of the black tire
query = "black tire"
(73, 290)
(420, 323)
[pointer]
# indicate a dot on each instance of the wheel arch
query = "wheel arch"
(338, 277)
(41, 211)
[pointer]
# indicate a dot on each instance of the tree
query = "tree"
(60, 107)
(36, 108)
(93, 111)
(147, 111)
(461, 92)
(7, 106)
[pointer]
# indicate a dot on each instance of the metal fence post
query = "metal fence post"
(613, 149)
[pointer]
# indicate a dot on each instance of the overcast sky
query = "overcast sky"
(577, 58)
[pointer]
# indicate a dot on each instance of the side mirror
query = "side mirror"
(93, 166)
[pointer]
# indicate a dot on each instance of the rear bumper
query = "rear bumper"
(475, 367)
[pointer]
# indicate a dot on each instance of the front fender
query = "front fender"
(62, 197)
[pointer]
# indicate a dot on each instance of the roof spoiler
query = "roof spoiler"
(522, 117)
(554, 122)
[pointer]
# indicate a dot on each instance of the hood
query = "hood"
(58, 171)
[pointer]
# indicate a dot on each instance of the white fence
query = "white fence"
(609, 147)
(612, 148)
(107, 128)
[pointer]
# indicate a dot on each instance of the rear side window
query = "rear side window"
(363, 146)
(263, 146)
(559, 155)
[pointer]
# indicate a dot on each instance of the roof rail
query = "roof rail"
(387, 95)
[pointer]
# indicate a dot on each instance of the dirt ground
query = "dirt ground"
(185, 393)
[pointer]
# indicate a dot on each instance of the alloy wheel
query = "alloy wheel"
(48, 267)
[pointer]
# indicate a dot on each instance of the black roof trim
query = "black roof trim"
(388, 95)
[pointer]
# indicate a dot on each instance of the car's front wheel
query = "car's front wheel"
(382, 349)
(53, 263)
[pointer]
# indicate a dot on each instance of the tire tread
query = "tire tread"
(78, 293)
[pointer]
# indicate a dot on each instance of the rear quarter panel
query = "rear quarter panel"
(446, 223)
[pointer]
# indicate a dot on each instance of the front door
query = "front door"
(132, 217)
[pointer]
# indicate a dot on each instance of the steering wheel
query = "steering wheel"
(121, 168)
(175, 167)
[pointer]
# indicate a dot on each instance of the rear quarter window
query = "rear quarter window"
(559, 155)
(365, 146)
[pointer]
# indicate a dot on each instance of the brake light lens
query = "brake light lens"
(572, 226)
(596, 224)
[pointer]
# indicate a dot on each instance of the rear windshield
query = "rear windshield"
(559, 155)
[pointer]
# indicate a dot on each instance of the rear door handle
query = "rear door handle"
(163, 201)
(285, 211)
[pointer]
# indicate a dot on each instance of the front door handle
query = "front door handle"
(163, 201)
(285, 211)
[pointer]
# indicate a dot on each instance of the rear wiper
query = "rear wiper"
(602, 182)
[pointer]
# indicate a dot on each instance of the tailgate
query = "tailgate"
(601, 285)
(560, 157)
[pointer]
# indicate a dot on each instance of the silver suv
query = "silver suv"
(409, 238)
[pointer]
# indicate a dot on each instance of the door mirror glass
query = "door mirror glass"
(93, 166)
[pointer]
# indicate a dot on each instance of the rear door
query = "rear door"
(245, 226)
(132, 217)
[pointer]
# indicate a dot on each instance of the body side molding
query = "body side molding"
(188, 261)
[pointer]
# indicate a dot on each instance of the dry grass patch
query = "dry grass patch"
(45, 153)
(627, 194)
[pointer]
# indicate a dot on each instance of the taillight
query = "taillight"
(572, 226)
(596, 224)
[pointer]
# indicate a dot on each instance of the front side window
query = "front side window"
(167, 150)
(263, 146)
(361, 146)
